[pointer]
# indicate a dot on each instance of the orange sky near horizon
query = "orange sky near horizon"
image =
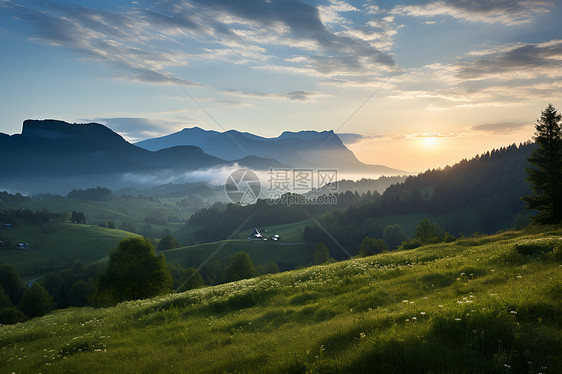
(419, 153)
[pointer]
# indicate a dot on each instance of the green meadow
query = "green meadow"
(286, 255)
(290, 252)
(487, 304)
(119, 209)
(57, 244)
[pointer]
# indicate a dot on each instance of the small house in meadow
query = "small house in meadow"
(255, 235)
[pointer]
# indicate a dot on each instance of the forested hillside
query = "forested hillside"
(478, 195)
(482, 194)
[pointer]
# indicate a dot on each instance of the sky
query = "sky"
(411, 84)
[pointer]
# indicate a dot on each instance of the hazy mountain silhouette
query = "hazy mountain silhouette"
(310, 149)
(51, 149)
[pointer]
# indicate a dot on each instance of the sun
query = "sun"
(430, 141)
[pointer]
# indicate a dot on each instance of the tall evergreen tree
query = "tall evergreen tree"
(545, 176)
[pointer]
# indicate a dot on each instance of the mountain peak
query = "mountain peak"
(55, 129)
(306, 134)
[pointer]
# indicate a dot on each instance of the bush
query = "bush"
(36, 301)
(240, 267)
(168, 242)
(536, 247)
(427, 232)
(393, 236)
(11, 281)
(135, 272)
(11, 315)
(321, 254)
(191, 279)
(371, 246)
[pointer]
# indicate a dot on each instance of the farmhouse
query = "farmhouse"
(255, 235)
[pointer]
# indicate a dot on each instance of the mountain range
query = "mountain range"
(303, 149)
(49, 153)
(53, 156)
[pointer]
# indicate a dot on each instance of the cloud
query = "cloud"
(500, 128)
(216, 176)
(508, 12)
(502, 75)
(436, 134)
(351, 138)
(145, 43)
(331, 13)
(136, 129)
(117, 39)
(292, 96)
(525, 61)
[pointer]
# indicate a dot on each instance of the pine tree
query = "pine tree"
(546, 174)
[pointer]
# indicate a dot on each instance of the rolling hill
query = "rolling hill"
(486, 304)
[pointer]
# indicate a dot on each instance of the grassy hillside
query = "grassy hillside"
(289, 253)
(289, 232)
(62, 242)
(118, 209)
(488, 304)
(286, 255)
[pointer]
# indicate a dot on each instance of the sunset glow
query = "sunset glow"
(383, 71)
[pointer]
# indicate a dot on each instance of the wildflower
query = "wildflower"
(457, 319)
(513, 312)
(422, 313)
(362, 335)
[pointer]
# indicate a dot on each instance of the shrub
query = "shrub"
(11, 315)
(536, 247)
(36, 301)
(371, 246)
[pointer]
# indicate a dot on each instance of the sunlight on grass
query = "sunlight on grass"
(485, 307)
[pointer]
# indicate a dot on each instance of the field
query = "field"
(61, 243)
(286, 255)
(289, 253)
(487, 304)
(118, 209)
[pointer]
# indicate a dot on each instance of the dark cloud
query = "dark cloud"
(302, 22)
(499, 128)
(242, 31)
(113, 39)
(523, 58)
